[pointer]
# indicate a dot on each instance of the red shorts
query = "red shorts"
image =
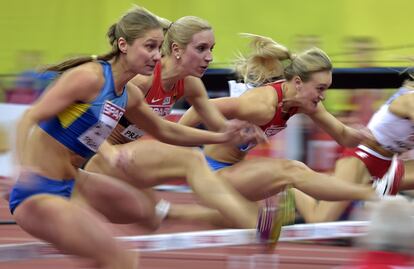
(376, 164)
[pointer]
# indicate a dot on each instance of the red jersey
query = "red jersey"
(160, 100)
(278, 123)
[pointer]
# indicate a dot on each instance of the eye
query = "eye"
(201, 48)
(151, 46)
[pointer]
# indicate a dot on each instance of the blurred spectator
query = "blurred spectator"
(389, 242)
(30, 77)
(304, 42)
(30, 83)
(362, 53)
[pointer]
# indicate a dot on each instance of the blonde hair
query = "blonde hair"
(135, 23)
(269, 61)
(182, 31)
(308, 62)
(264, 63)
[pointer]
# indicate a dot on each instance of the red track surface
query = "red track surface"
(285, 256)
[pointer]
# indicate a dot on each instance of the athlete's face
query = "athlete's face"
(144, 52)
(196, 57)
(314, 89)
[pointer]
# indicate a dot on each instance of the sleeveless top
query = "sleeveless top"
(279, 120)
(82, 127)
(160, 100)
(393, 133)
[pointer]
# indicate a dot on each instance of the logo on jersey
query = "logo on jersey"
(160, 110)
(113, 111)
(167, 100)
(153, 100)
(273, 129)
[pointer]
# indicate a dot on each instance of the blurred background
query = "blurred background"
(369, 41)
(47, 31)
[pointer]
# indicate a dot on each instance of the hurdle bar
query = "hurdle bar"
(199, 239)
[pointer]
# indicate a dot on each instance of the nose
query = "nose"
(209, 56)
(157, 55)
(321, 97)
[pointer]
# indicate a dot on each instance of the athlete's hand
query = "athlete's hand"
(242, 132)
(115, 156)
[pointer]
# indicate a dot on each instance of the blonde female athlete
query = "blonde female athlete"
(303, 79)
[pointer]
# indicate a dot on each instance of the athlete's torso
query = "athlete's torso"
(160, 100)
(82, 127)
(232, 154)
(392, 132)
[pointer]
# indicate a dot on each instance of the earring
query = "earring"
(178, 57)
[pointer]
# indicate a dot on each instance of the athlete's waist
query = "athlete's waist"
(374, 145)
(222, 153)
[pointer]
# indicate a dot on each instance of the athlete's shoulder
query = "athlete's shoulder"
(135, 95)
(143, 82)
(89, 74)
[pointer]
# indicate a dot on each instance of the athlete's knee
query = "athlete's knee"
(294, 170)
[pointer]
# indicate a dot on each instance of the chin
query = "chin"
(200, 74)
(147, 71)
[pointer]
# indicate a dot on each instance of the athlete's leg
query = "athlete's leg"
(73, 230)
(349, 169)
(126, 203)
(151, 163)
(198, 213)
(259, 178)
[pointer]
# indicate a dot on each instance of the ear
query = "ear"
(298, 82)
(122, 45)
(176, 50)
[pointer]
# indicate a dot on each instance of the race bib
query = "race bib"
(97, 134)
(132, 132)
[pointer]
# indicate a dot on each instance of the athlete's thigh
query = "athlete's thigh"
(152, 162)
(352, 169)
(258, 178)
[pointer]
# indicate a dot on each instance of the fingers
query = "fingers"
(261, 137)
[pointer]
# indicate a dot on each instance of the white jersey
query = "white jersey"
(394, 133)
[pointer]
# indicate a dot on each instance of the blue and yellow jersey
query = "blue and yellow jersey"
(82, 127)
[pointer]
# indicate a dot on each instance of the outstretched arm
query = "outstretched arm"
(343, 134)
(256, 106)
(141, 115)
(196, 95)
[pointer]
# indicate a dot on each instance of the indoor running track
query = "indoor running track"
(285, 256)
